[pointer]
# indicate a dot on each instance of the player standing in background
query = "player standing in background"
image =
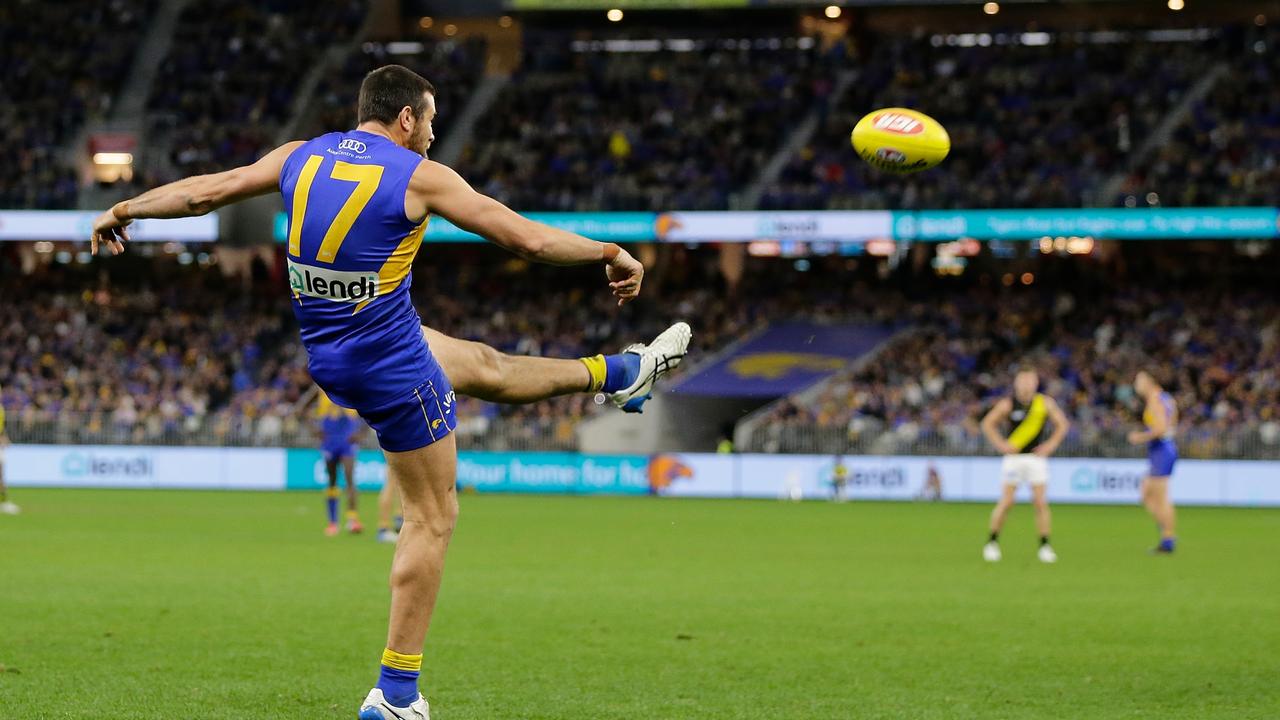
(388, 525)
(839, 480)
(339, 435)
(6, 507)
(932, 488)
(358, 203)
(1026, 448)
(1160, 415)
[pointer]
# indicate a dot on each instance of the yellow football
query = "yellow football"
(900, 140)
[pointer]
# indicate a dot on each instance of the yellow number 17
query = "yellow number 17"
(366, 178)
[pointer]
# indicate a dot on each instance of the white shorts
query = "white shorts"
(1024, 468)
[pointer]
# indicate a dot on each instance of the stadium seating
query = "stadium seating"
(223, 95)
(584, 127)
(453, 68)
(224, 366)
(1040, 125)
(1215, 350)
(1228, 151)
(53, 83)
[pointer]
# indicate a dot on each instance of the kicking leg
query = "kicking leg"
(480, 371)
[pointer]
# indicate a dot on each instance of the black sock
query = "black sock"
(1044, 539)
(995, 536)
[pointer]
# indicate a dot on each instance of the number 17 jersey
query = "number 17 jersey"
(350, 255)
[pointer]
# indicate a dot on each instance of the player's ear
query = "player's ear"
(406, 118)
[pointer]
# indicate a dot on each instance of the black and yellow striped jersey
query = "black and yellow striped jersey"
(1026, 424)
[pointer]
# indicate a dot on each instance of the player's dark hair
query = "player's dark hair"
(387, 90)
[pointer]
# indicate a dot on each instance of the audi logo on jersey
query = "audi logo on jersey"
(354, 146)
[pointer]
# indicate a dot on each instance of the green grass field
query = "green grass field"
(117, 604)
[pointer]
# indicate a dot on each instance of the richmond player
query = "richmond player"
(1018, 427)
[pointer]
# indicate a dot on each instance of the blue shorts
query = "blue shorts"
(1162, 454)
(425, 414)
(334, 452)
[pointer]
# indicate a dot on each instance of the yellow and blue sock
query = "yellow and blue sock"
(611, 373)
(398, 680)
(331, 502)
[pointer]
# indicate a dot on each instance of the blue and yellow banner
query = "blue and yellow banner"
(783, 359)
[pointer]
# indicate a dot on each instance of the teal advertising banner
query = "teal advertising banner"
(1114, 224)
(604, 226)
(923, 225)
(554, 473)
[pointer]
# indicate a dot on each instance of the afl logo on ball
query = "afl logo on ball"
(889, 155)
(354, 146)
(898, 123)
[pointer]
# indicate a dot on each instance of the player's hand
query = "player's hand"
(111, 231)
(1005, 448)
(1136, 438)
(1043, 451)
(625, 274)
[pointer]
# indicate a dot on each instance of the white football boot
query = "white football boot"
(656, 359)
(9, 508)
(376, 707)
(1047, 555)
(991, 552)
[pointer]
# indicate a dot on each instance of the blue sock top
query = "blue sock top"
(620, 371)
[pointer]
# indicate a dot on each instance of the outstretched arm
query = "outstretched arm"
(191, 196)
(437, 189)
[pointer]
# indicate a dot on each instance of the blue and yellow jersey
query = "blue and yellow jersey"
(337, 424)
(1, 420)
(1026, 428)
(350, 253)
(1170, 409)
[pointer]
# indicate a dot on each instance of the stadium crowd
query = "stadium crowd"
(54, 82)
(1227, 151)
(453, 67)
(685, 123)
(1040, 125)
(1215, 350)
(224, 95)
(193, 356)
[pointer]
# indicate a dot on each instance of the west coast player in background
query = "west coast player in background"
(339, 441)
(1016, 427)
(358, 203)
(6, 507)
(1160, 415)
